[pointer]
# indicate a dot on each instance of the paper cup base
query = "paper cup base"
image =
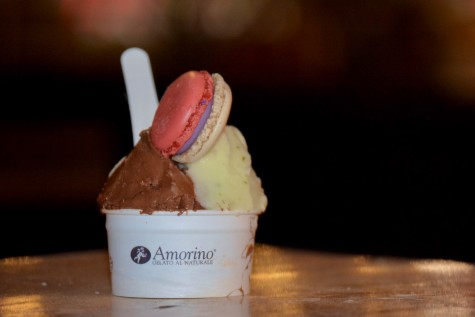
(192, 255)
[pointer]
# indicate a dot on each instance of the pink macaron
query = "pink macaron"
(191, 116)
(185, 104)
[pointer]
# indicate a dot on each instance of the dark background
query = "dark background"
(360, 117)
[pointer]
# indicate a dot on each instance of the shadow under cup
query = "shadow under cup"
(194, 254)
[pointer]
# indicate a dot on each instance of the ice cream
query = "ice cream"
(182, 207)
(148, 181)
(189, 159)
(224, 178)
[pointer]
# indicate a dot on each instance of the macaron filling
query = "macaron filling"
(198, 129)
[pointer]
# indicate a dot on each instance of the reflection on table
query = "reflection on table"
(285, 282)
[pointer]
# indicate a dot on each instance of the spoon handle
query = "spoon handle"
(140, 87)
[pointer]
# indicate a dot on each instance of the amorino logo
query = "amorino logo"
(183, 257)
(140, 255)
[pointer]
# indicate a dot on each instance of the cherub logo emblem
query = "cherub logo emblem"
(140, 255)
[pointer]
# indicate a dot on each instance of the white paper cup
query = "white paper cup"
(171, 255)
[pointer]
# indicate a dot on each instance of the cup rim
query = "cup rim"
(138, 212)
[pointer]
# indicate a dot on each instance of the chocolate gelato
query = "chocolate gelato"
(148, 181)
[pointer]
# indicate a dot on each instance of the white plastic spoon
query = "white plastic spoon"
(141, 90)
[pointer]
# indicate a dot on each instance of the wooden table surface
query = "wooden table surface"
(285, 282)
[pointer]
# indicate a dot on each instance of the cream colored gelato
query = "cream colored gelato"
(224, 178)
